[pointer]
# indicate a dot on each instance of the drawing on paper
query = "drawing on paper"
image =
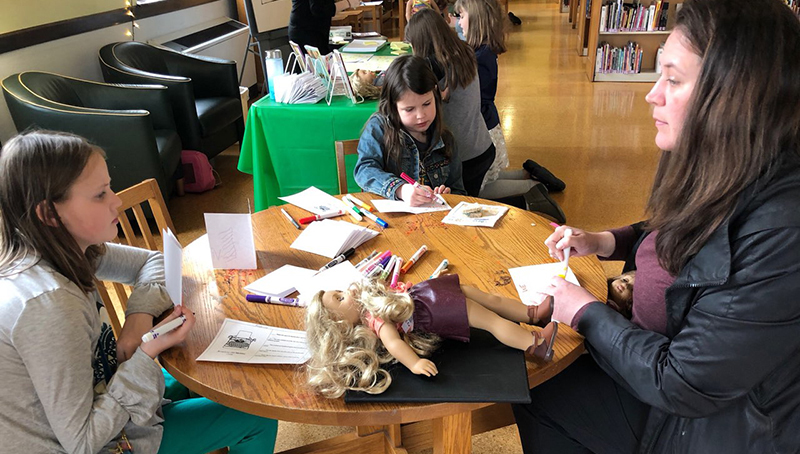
(241, 340)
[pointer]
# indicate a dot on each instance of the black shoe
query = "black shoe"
(539, 173)
(539, 201)
(514, 19)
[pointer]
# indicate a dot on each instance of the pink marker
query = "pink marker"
(396, 272)
(378, 260)
(411, 181)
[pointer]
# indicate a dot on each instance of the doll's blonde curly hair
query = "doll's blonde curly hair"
(345, 356)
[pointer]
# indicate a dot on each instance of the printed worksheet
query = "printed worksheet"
(250, 343)
(531, 280)
(475, 214)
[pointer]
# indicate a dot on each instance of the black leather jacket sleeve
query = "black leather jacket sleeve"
(733, 336)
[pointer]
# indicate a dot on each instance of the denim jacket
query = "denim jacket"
(372, 176)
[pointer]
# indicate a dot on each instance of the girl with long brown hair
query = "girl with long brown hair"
(453, 62)
(709, 361)
(68, 385)
(407, 135)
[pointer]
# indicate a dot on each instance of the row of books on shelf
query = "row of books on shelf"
(618, 60)
(794, 5)
(616, 16)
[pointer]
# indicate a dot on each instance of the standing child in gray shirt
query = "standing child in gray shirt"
(67, 385)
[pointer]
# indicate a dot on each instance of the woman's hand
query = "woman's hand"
(568, 299)
(441, 190)
(416, 196)
(424, 367)
(581, 242)
(131, 335)
(172, 338)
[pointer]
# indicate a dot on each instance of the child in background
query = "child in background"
(415, 6)
(353, 333)
(68, 384)
(453, 62)
(482, 22)
(407, 135)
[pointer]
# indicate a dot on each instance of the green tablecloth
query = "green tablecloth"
(289, 147)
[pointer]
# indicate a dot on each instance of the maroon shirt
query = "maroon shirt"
(652, 281)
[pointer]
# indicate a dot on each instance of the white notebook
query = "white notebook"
(330, 238)
(280, 282)
(364, 45)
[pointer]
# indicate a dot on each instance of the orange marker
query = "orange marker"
(407, 266)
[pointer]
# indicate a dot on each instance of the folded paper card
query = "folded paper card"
(330, 238)
(399, 206)
(230, 237)
(173, 262)
(280, 282)
(475, 214)
(532, 280)
(315, 201)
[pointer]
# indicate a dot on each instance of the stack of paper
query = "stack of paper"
(364, 45)
(340, 277)
(280, 282)
(330, 238)
(303, 88)
(315, 201)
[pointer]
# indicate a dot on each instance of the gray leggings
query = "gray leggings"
(509, 183)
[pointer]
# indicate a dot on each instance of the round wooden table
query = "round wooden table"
(481, 256)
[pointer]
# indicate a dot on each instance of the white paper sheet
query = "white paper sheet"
(315, 200)
(531, 280)
(490, 215)
(337, 278)
(243, 342)
(280, 282)
(173, 261)
(400, 206)
(330, 238)
(230, 237)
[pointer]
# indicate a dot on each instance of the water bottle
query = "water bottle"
(274, 63)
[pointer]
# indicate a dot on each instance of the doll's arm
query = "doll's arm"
(402, 352)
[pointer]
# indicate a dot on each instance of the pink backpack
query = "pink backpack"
(198, 175)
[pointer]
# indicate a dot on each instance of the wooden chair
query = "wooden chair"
(344, 148)
(133, 199)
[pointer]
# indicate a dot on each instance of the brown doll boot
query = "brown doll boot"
(543, 341)
(540, 315)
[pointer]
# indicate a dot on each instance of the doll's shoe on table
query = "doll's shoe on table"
(539, 173)
(514, 19)
(541, 315)
(543, 342)
(538, 200)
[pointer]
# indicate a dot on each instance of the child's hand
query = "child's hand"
(172, 338)
(424, 367)
(441, 190)
(416, 196)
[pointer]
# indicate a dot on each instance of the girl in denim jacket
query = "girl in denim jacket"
(407, 135)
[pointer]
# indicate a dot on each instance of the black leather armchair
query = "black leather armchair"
(204, 91)
(132, 124)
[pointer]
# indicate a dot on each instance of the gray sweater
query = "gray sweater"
(462, 115)
(48, 333)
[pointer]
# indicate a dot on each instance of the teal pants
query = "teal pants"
(196, 425)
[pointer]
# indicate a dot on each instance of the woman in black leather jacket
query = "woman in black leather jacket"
(710, 362)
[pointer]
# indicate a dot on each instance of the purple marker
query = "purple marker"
(274, 300)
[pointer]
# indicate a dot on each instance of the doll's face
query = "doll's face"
(621, 288)
(367, 77)
(343, 304)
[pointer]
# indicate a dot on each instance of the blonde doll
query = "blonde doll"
(353, 333)
(364, 84)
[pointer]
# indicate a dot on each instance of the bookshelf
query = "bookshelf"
(584, 25)
(648, 42)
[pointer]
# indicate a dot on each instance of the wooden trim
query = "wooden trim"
(39, 34)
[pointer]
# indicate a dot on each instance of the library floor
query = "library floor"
(597, 137)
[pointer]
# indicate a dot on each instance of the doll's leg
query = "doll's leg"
(508, 308)
(539, 344)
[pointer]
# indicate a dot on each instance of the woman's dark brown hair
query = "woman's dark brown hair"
(431, 37)
(408, 73)
(742, 116)
(38, 168)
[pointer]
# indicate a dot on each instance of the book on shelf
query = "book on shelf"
(618, 60)
(616, 16)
